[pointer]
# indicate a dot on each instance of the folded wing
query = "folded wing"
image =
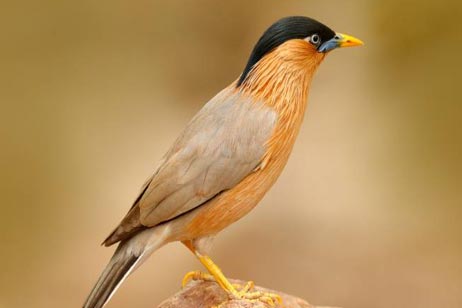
(222, 144)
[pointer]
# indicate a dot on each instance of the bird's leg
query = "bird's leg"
(194, 275)
(244, 293)
(217, 275)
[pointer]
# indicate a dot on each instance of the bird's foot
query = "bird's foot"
(240, 292)
(271, 299)
(196, 275)
(244, 289)
(246, 293)
(235, 292)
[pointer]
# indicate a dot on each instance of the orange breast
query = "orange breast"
(235, 203)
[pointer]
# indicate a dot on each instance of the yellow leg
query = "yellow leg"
(217, 275)
(216, 272)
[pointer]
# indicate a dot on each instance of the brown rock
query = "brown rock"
(200, 294)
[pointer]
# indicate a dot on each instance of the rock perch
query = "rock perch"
(200, 294)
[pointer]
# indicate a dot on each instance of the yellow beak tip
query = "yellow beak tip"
(350, 41)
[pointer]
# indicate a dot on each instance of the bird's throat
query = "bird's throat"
(282, 78)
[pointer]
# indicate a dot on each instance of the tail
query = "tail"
(130, 254)
(120, 266)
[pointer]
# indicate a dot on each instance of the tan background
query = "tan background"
(366, 214)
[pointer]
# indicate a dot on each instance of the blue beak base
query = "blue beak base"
(329, 45)
(339, 40)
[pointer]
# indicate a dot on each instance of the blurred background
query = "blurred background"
(366, 214)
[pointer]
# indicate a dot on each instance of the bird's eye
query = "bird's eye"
(315, 39)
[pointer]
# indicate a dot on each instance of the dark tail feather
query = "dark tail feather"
(118, 268)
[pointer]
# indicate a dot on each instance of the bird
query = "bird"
(226, 159)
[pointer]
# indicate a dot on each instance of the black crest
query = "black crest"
(294, 27)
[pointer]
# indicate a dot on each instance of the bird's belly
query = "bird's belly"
(227, 207)
(233, 204)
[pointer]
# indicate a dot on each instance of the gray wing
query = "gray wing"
(222, 144)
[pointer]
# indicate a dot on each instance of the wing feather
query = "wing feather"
(223, 144)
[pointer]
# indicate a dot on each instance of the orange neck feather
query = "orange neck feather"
(282, 78)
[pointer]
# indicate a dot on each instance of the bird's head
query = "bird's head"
(292, 46)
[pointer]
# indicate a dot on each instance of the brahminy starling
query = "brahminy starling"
(226, 159)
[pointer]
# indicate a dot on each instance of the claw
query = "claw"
(196, 275)
(271, 299)
(244, 289)
(233, 291)
(249, 286)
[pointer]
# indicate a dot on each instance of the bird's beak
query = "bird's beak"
(339, 40)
